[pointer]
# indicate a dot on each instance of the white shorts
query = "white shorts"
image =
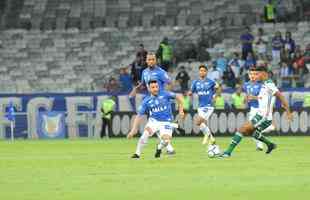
(205, 112)
(252, 113)
(160, 128)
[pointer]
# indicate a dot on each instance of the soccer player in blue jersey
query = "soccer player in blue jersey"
(154, 72)
(205, 89)
(252, 88)
(158, 108)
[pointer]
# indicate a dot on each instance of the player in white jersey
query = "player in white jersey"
(263, 117)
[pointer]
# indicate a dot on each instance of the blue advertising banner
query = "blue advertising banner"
(51, 125)
(81, 115)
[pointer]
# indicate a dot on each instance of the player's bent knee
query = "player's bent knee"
(166, 138)
(148, 130)
(199, 121)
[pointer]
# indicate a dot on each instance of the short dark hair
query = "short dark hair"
(151, 54)
(262, 69)
(252, 68)
(152, 81)
(203, 66)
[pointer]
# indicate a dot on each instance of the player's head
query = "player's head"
(262, 72)
(151, 60)
(203, 71)
(252, 74)
(153, 87)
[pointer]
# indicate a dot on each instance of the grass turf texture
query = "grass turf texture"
(101, 169)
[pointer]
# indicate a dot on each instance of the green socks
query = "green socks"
(238, 137)
(235, 141)
(257, 135)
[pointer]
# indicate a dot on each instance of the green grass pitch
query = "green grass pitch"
(102, 169)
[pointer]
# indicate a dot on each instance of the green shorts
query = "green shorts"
(260, 123)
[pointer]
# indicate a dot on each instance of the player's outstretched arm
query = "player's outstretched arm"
(180, 100)
(285, 105)
(135, 126)
(251, 97)
(133, 92)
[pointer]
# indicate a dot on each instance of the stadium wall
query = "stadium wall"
(80, 116)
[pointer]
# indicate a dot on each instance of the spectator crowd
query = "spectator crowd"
(289, 64)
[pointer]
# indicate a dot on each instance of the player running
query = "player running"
(158, 107)
(205, 89)
(154, 72)
(263, 117)
(252, 88)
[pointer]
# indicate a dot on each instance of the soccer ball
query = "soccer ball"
(213, 150)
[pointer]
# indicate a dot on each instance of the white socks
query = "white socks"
(162, 144)
(142, 142)
(169, 147)
(205, 130)
(259, 144)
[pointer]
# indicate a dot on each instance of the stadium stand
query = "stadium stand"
(74, 45)
(123, 13)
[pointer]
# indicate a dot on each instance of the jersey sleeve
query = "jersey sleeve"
(142, 109)
(272, 87)
(165, 77)
(193, 87)
(213, 84)
(170, 95)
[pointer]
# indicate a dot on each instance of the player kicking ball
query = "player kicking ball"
(252, 88)
(263, 117)
(157, 106)
(205, 89)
